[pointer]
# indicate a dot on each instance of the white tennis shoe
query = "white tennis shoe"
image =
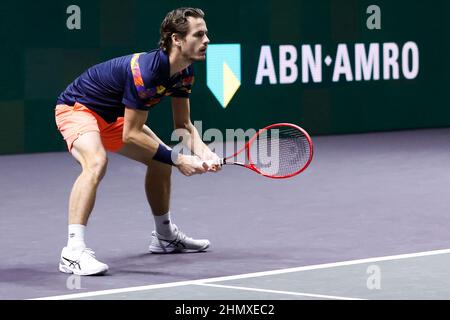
(179, 243)
(81, 262)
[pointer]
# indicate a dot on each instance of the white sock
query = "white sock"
(76, 236)
(164, 225)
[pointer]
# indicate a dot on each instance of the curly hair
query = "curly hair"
(176, 22)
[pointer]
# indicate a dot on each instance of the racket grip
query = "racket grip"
(214, 162)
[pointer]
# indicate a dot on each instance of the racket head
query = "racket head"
(291, 151)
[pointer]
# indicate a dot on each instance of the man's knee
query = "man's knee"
(96, 166)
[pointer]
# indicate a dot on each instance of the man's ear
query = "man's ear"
(176, 39)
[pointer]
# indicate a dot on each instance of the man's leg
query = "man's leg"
(88, 150)
(157, 189)
(157, 178)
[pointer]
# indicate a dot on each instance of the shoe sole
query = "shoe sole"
(154, 249)
(65, 269)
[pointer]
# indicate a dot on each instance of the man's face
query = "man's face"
(193, 46)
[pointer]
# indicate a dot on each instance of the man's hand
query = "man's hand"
(189, 165)
(213, 161)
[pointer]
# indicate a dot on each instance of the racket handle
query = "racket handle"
(210, 163)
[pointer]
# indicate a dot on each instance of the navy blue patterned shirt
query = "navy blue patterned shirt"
(136, 81)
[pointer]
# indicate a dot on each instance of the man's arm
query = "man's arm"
(191, 138)
(134, 121)
(133, 133)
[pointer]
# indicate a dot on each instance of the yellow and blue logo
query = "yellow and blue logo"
(223, 71)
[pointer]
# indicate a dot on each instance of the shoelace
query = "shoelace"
(90, 252)
(182, 237)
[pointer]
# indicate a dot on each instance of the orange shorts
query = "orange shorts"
(77, 120)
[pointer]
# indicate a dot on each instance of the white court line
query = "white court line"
(278, 292)
(244, 276)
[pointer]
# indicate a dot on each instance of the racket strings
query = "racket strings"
(280, 151)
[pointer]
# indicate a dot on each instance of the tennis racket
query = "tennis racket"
(278, 151)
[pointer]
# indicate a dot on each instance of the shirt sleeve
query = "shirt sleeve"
(130, 96)
(183, 87)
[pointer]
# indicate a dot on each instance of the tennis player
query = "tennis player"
(106, 108)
